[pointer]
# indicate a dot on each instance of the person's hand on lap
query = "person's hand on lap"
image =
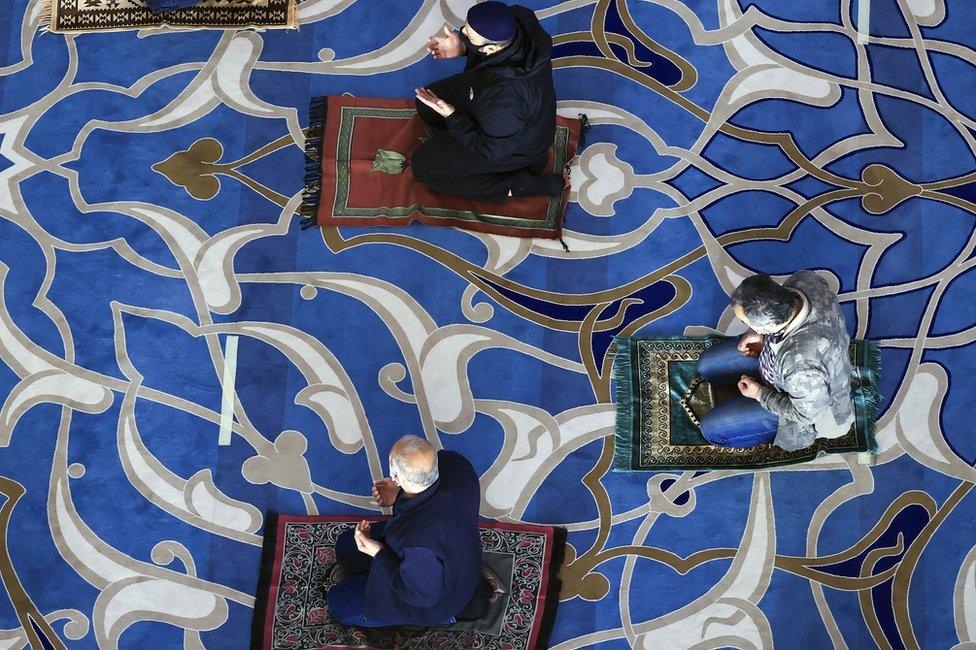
(749, 387)
(364, 542)
(750, 344)
(446, 45)
(438, 105)
(385, 492)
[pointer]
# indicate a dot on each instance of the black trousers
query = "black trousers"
(443, 164)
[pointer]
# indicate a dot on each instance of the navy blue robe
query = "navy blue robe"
(431, 564)
(504, 118)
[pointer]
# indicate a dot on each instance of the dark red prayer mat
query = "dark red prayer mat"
(299, 567)
(351, 141)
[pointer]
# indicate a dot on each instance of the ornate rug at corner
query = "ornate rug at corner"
(661, 399)
(356, 155)
(299, 566)
(108, 15)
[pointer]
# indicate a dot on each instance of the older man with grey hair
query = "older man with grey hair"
(792, 366)
(422, 565)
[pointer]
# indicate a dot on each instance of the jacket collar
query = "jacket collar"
(406, 506)
(801, 317)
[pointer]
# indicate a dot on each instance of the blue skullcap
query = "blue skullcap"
(493, 20)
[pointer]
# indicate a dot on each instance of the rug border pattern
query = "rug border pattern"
(648, 367)
(552, 541)
(343, 155)
(278, 14)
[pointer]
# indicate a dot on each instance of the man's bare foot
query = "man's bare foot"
(566, 177)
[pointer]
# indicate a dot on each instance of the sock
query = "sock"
(527, 184)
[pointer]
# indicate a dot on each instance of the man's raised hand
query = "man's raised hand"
(437, 104)
(385, 492)
(446, 45)
(364, 542)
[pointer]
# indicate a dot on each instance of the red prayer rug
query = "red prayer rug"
(356, 153)
(299, 566)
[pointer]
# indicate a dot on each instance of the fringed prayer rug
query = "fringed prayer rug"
(661, 399)
(299, 567)
(109, 15)
(357, 155)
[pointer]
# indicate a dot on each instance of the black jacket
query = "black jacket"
(510, 115)
(431, 564)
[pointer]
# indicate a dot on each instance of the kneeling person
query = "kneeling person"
(792, 367)
(422, 565)
(498, 117)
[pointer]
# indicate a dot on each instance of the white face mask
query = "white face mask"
(477, 49)
(766, 329)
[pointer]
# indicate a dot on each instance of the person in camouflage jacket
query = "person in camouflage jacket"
(798, 334)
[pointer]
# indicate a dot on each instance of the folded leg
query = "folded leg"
(722, 363)
(347, 602)
(444, 165)
(350, 557)
(739, 422)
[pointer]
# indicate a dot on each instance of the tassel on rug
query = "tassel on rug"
(866, 392)
(622, 374)
(312, 194)
(45, 17)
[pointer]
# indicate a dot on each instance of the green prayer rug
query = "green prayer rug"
(661, 399)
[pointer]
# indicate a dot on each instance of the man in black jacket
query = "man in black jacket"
(422, 565)
(499, 113)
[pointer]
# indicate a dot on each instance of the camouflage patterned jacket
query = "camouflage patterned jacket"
(812, 394)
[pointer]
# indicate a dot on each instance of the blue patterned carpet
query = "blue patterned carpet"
(730, 136)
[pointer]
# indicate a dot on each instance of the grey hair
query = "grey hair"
(763, 301)
(411, 446)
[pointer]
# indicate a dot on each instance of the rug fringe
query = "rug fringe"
(554, 587)
(264, 579)
(869, 370)
(293, 15)
(45, 19)
(312, 194)
(622, 374)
